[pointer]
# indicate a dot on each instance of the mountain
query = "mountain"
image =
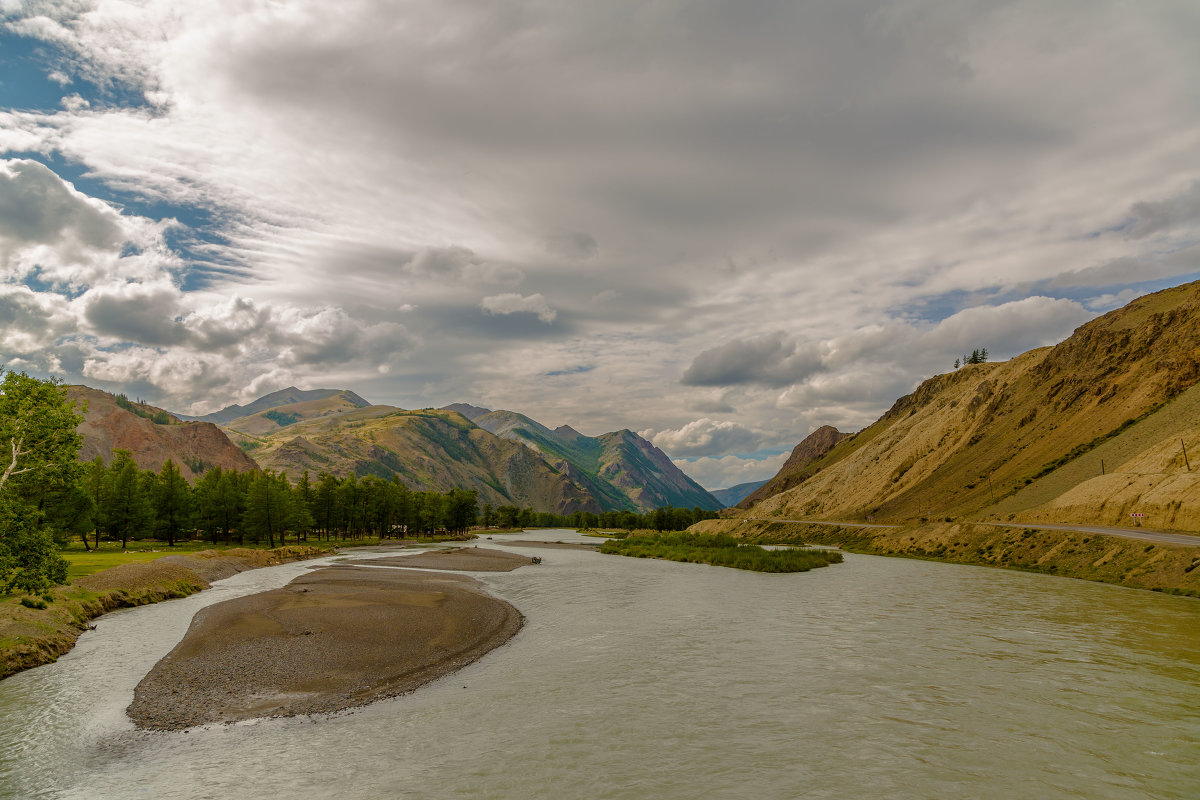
(429, 449)
(620, 469)
(112, 423)
(814, 446)
(284, 397)
(736, 494)
(1089, 431)
(467, 410)
(292, 408)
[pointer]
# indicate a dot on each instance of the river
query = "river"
(633, 678)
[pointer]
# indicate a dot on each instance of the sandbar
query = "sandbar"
(330, 640)
(470, 559)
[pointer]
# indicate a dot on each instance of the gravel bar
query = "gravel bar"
(330, 640)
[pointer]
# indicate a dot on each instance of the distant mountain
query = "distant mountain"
(735, 494)
(813, 448)
(467, 410)
(620, 469)
(293, 408)
(112, 423)
(283, 397)
(1090, 431)
(429, 450)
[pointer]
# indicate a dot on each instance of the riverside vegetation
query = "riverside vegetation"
(720, 550)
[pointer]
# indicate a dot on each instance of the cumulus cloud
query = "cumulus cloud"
(512, 303)
(39, 208)
(705, 437)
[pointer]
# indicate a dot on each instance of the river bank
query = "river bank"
(31, 637)
(1088, 556)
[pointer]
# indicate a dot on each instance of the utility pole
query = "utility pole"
(1102, 466)
(1185, 460)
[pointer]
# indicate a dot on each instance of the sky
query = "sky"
(721, 225)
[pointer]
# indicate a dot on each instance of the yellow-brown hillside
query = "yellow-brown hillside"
(997, 439)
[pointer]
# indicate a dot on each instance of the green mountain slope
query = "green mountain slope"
(621, 469)
(282, 398)
(429, 450)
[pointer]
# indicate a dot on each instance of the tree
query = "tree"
(462, 506)
(268, 506)
(128, 512)
(172, 502)
(38, 450)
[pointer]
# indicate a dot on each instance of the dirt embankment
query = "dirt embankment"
(1090, 556)
(333, 639)
(30, 637)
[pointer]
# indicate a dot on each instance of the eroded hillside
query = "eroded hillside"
(966, 443)
(195, 447)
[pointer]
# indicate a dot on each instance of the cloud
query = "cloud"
(39, 208)
(705, 437)
(576, 245)
(135, 312)
(512, 303)
(727, 471)
(773, 359)
(1153, 217)
(801, 209)
(459, 263)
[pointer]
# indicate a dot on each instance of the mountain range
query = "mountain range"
(506, 457)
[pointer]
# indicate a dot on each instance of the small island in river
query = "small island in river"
(339, 637)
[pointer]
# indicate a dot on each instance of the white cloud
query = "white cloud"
(722, 473)
(512, 303)
(705, 436)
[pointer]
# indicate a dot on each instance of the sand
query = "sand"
(470, 559)
(330, 640)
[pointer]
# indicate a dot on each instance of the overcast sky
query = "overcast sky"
(718, 224)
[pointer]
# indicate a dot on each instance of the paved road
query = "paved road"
(1144, 534)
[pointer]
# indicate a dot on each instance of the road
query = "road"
(821, 522)
(1143, 534)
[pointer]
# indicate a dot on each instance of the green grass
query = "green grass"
(84, 562)
(720, 550)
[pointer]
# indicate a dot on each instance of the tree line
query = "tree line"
(226, 506)
(667, 518)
